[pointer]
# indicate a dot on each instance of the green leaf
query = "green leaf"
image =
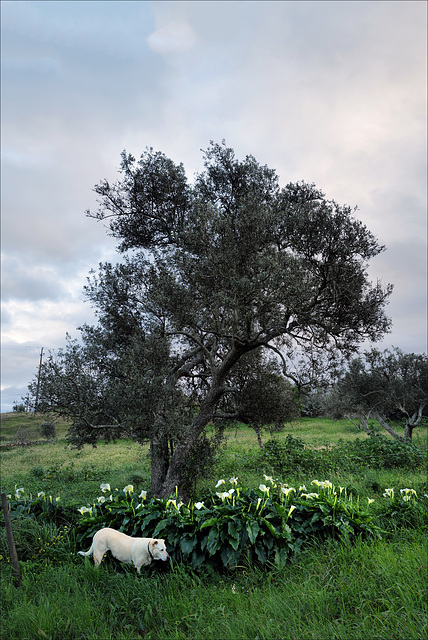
(253, 529)
(234, 530)
(197, 559)
(261, 552)
(209, 522)
(281, 510)
(281, 556)
(229, 557)
(161, 525)
(214, 542)
(271, 528)
(187, 544)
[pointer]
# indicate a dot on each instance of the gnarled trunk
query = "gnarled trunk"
(159, 455)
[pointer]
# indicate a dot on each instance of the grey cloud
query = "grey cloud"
(333, 93)
(29, 282)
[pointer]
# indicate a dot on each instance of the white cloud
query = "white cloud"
(173, 33)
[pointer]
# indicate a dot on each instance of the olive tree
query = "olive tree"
(387, 385)
(211, 271)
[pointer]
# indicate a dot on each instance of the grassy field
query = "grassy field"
(76, 475)
(373, 589)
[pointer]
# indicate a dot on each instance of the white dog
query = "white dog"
(137, 551)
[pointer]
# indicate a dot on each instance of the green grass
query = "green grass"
(374, 589)
(76, 475)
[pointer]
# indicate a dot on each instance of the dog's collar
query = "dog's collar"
(148, 549)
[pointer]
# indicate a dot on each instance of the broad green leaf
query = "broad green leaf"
(209, 523)
(187, 544)
(253, 528)
(271, 528)
(261, 552)
(281, 556)
(214, 542)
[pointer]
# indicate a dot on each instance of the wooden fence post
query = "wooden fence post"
(10, 540)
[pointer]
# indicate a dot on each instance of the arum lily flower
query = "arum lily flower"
(408, 494)
(143, 495)
(287, 491)
(41, 494)
(83, 510)
(389, 493)
(199, 505)
(219, 483)
(264, 488)
(302, 488)
(233, 480)
(101, 499)
(174, 504)
(290, 511)
(370, 500)
(105, 487)
(128, 489)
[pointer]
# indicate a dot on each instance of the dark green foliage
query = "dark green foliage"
(264, 525)
(375, 452)
(291, 455)
(379, 451)
(48, 430)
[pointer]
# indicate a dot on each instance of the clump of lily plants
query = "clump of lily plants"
(266, 524)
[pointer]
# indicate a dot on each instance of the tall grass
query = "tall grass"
(375, 590)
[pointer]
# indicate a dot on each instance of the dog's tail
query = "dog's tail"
(89, 552)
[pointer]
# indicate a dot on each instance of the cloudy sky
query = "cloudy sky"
(327, 92)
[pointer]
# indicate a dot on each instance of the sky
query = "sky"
(332, 93)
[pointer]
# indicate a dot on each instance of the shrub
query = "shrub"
(291, 455)
(267, 524)
(380, 451)
(48, 430)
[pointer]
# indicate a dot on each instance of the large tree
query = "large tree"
(387, 385)
(211, 271)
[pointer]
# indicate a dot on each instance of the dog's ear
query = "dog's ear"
(155, 542)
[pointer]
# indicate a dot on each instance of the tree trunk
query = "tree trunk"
(159, 461)
(386, 426)
(408, 430)
(258, 430)
(177, 464)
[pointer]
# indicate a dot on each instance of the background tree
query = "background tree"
(260, 395)
(211, 272)
(389, 386)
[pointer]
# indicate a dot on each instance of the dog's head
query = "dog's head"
(158, 550)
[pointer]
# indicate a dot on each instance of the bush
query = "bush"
(48, 430)
(375, 452)
(380, 451)
(292, 456)
(264, 525)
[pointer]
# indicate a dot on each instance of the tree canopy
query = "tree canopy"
(211, 272)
